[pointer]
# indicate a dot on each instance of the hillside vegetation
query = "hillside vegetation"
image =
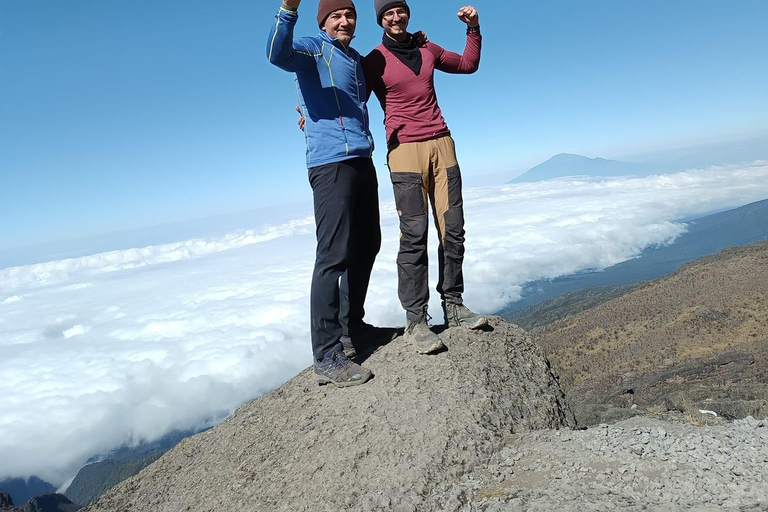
(696, 338)
(565, 305)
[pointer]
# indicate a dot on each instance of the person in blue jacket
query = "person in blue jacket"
(332, 97)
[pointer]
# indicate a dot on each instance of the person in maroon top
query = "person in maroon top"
(423, 165)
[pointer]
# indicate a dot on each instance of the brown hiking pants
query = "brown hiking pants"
(425, 173)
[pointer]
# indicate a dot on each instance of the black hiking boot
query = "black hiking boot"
(457, 313)
(336, 368)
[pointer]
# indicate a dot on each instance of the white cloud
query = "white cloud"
(127, 345)
(76, 330)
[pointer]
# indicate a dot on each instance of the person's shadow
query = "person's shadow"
(386, 335)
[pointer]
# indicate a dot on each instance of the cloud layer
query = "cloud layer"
(127, 345)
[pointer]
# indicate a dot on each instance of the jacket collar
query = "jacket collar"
(335, 42)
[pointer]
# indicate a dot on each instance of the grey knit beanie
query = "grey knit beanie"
(383, 6)
(326, 7)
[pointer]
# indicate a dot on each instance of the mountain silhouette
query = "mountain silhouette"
(566, 164)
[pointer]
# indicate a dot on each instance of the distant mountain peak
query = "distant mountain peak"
(569, 164)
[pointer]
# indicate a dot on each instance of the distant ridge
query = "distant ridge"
(566, 164)
(22, 489)
(705, 236)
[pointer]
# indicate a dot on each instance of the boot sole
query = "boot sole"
(438, 345)
(322, 381)
(482, 322)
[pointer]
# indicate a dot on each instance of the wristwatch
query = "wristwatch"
(473, 29)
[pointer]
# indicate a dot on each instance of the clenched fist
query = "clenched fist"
(468, 15)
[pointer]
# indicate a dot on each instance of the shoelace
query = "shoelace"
(339, 361)
(427, 318)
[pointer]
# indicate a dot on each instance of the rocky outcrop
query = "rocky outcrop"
(5, 500)
(400, 442)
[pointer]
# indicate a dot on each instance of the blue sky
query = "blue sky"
(119, 115)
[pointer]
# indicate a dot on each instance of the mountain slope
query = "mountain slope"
(566, 304)
(576, 165)
(95, 479)
(705, 236)
(397, 443)
(699, 335)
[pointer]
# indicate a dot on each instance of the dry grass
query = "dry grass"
(692, 413)
(656, 409)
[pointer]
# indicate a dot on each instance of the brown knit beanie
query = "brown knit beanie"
(383, 6)
(326, 7)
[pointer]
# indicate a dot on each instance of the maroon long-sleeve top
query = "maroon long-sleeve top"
(411, 112)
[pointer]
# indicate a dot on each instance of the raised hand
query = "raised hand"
(302, 120)
(292, 4)
(420, 38)
(468, 15)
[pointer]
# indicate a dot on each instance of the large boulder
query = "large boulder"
(399, 442)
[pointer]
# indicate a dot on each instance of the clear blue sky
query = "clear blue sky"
(120, 114)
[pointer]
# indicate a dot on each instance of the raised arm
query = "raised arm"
(469, 61)
(282, 50)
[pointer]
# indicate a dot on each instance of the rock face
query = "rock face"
(400, 442)
(5, 500)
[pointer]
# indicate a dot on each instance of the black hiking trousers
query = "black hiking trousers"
(348, 239)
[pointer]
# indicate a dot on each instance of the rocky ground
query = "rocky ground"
(644, 463)
(399, 443)
(482, 426)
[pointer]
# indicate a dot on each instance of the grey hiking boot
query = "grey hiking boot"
(457, 313)
(336, 368)
(421, 336)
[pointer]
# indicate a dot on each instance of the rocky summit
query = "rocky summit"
(400, 442)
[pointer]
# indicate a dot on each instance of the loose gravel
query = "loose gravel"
(643, 463)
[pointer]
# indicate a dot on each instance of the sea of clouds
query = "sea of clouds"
(126, 346)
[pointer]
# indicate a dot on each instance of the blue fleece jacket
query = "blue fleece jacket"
(331, 90)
